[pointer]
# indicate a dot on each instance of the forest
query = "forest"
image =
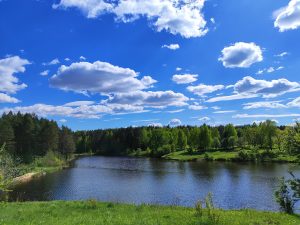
(27, 137)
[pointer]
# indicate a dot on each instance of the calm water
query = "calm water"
(139, 180)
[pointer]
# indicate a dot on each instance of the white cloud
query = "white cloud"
(269, 70)
(249, 87)
(91, 8)
(63, 121)
(241, 55)
(224, 111)
(158, 99)
(52, 62)
(176, 111)
(196, 106)
(184, 78)
(174, 16)
(216, 107)
(265, 115)
(282, 54)
(288, 18)
(171, 46)
(268, 89)
(8, 68)
(204, 119)
(148, 81)
(203, 89)
(178, 68)
(45, 73)
(4, 98)
(230, 98)
(82, 58)
(98, 77)
(268, 104)
(175, 122)
(155, 125)
(9, 83)
(294, 103)
(79, 103)
(67, 59)
(85, 111)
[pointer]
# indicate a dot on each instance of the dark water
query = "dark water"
(140, 180)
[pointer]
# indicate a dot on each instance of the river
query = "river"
(154, 181)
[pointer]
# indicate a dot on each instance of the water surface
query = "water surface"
(141, 180)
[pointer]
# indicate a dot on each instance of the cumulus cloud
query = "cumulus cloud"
(288, 18)
(171, 46)
(268, 89)
(174, 16)
(52, 62)
(157, 99)
(98, 77)
(267, 104)
(175, 122)
(4, 98)
(184, 78)
(196, 106)
(241, 55)
(203, 89)
(45, 73)
(8, 68)
(90, 8)
(249, 87)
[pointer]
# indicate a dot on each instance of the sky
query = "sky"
(92, 64)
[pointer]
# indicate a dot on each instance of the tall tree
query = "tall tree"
(66, 142)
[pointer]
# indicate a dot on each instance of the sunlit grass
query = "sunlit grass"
(92, 212)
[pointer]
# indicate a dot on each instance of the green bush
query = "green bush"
(51, 159)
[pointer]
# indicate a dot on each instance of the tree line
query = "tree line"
(26, 137)
(158, 141)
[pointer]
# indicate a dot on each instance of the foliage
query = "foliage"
(288, 193)
(27, 137)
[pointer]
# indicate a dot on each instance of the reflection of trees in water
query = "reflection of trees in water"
(43, 188)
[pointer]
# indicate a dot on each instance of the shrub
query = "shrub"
(51, 159)
(284, 197)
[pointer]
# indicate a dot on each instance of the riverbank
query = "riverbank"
(92, 212)
(233, 156)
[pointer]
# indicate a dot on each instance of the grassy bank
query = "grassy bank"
(231, 156)
(91, 212)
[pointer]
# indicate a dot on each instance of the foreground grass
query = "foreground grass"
(92, 212)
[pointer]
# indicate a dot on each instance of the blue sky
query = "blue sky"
(99, 64)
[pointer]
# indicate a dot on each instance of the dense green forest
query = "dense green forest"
(247, 140)
(27, 136)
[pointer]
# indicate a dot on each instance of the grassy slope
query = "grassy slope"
(222, 156)
(111, 214)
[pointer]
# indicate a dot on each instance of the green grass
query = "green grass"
(92, 212)
(228, 156)
(218, 155)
